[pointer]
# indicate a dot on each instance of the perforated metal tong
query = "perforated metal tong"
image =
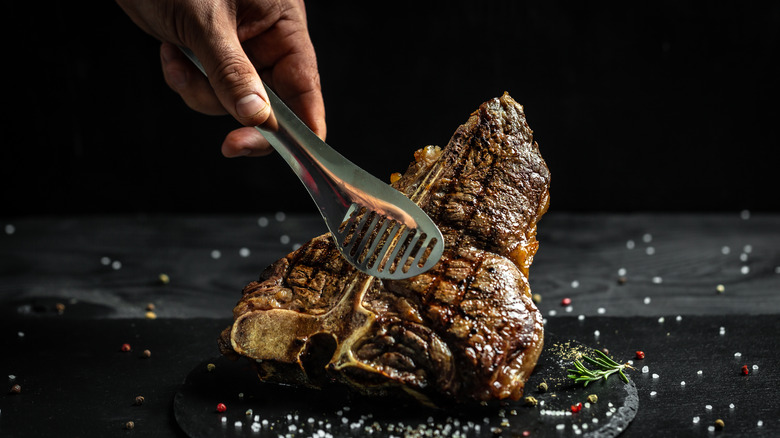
(375, 227)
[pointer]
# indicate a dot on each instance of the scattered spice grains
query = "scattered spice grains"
(146, 354)
(125, 348)
(640, 354)
(593, 398)
(129, 425)
(719, 424)
(530, 401)
(221, 407)
(164, 278)
(542, 387)
(151, 315)
(139, 400)
(16, 389)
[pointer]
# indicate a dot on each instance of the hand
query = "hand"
(225, 35)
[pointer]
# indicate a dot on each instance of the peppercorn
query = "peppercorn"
(125, 347)
(593, 398)
(210, 367)
(129, 425)
(146, 354)
(530, 401)
(150, 315)
(542, 387)
(719, 424)
(576, 408)
(640, 355)
(60, 308)
(150, 307)
(537, 298)
(622, 280)
(16, 389)
(139, 400)
(164, 279)
(566, 302)
(745, 370)
(221, 407)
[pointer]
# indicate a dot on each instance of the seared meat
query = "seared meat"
(466, 329)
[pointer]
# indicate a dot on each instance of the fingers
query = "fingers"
(184, 78)
(245, 142)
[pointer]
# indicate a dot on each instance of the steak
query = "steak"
(465, 330)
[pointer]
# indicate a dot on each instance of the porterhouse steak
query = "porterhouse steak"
(466, 329)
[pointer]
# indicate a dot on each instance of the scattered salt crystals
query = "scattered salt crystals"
(10, 229)
(263, 221)
(722, 331)
(630, 244)
(310, 420)
(116, 265)
(720, 288)
(597, 333)
(243, 252)
(280, 216)
(284, 239)
(748, 248)
(569, 309)
(731, 406)
(695, 420)
(755, 367)
(257, 418)
(215, 254)
(296, 246)
(255, 427)
(655, 376)
(622, 272)
(575, 284)
(678, 318)
(738, 354)
(20, 334)
(744, 214)
(581, 317)
(699, 372)
(647, 300)
(223, 419)
(653, 393)
(344, 420)
(777, 270)
(238, 423)
(292, 428)
(682, 383)
(708, 407)
(601, 310)
(661, 320)
(647, 238)
(745, 270)
(743, 257)
(645, 369)
(560, 426)
(650, 250)
(552, 312)
(759, 423)
(657, 280)
(725, 250)
(105, 261)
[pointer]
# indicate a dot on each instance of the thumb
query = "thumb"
(235, 80)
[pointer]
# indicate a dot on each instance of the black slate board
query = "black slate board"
(258, 409)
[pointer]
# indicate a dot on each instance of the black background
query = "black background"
(668, 106)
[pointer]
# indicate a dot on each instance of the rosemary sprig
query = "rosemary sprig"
(605, 368)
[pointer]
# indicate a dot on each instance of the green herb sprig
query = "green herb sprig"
(605, 368)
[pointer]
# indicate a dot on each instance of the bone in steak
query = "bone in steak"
(466, 329)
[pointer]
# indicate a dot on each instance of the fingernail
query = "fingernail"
(249, 105)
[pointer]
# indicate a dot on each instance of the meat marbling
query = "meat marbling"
(465, 330)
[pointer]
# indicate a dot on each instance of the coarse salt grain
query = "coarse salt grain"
(731, 405)
(679, 318)
(575, 284)
(215, 254)
(601, 310)
(725, 250)
(737, 354)
(552, 313)
(755, 367)
(581, 317)
(10, 229)
(655, 376)
(699, 372)
(630, 244)
(653, 393)
(622, 271)
(650, 250)
(597, 333)
(682, 383)
(647, 300)
(645, 369)
(759, 423)
(710, 428)
(116, 265)
(280, 216)
(661, 320)
(243, 252)
(745, 270)
(284, 239)
(743, 257)
(657, 280)
(695, 420)
(747, 249)
(744, 214)
(647, 238)
(708, 407)
(105, 261)
(263, 221)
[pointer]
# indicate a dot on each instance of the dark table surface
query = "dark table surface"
(698, 293)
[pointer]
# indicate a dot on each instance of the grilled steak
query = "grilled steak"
(465, 330)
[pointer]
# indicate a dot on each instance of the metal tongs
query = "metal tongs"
(375, 227)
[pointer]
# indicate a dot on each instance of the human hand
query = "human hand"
(225, 35)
